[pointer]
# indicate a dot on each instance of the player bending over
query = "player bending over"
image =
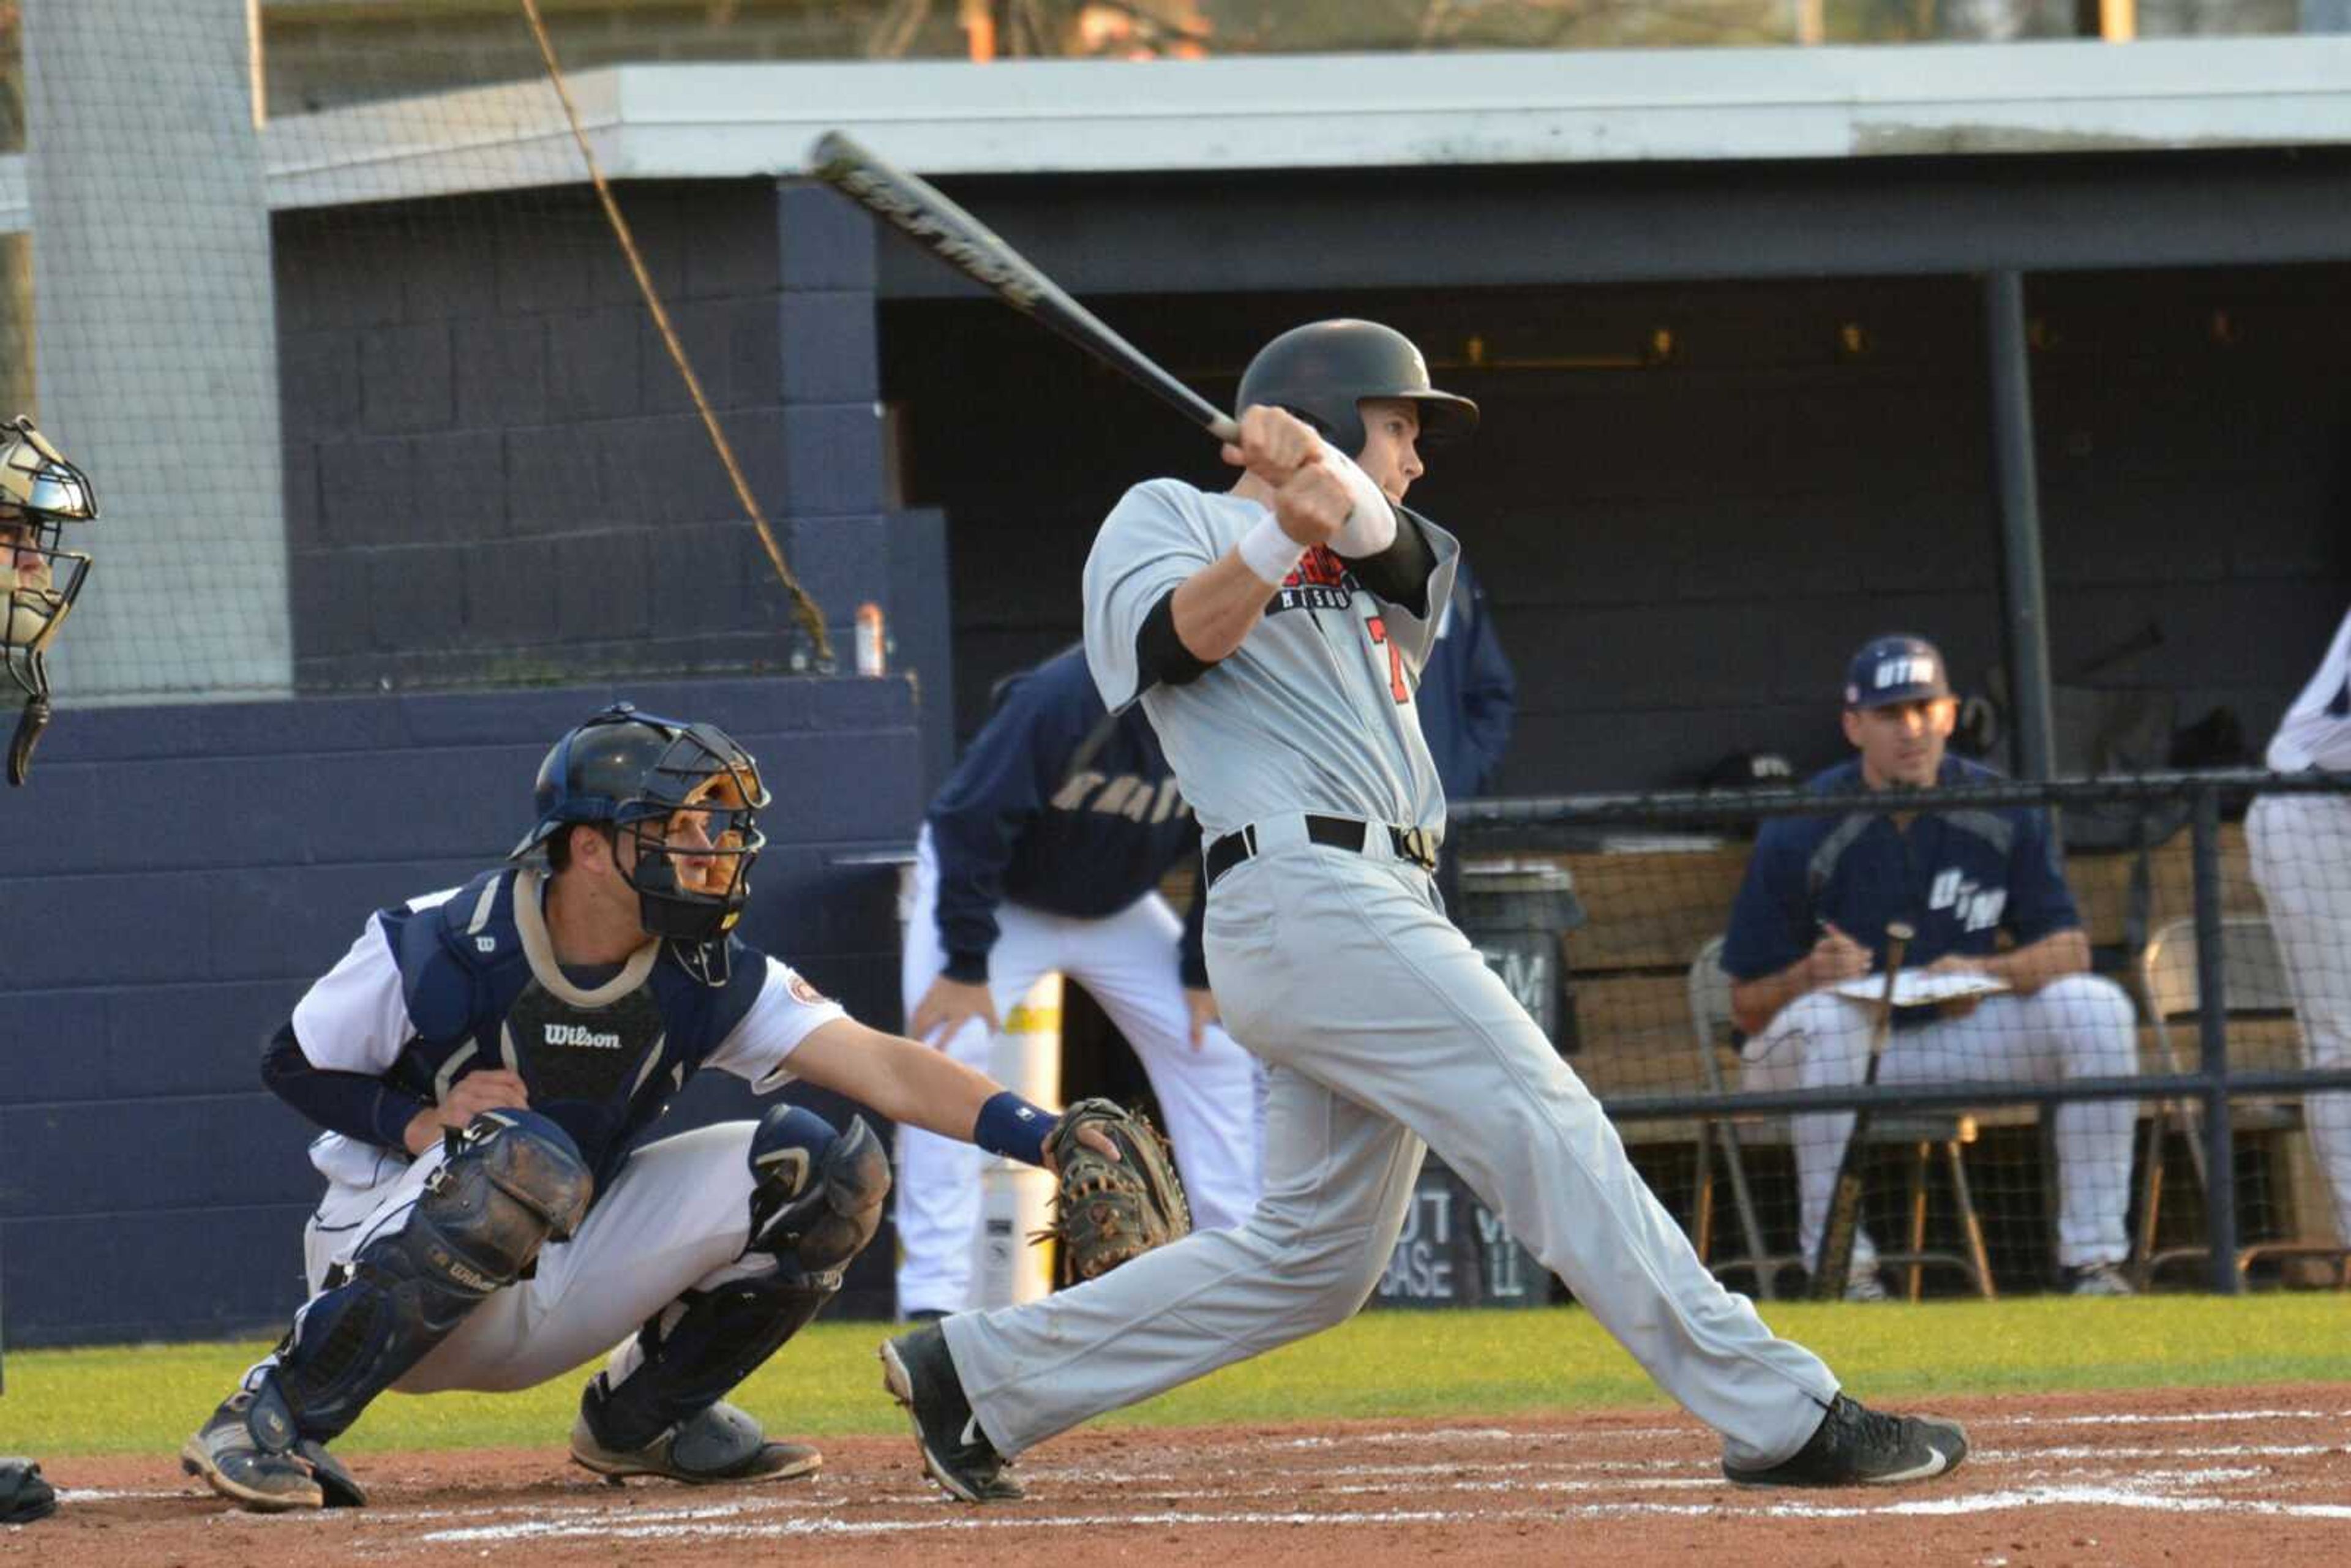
(485, 1061)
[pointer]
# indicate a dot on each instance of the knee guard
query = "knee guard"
(816, 1196)
(513, 1181)
(816, 1201)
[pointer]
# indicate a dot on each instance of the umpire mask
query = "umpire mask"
(40, 492)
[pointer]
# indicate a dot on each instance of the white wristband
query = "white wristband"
(1269, 552)
(1371, 527)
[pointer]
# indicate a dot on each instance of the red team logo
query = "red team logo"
(804, 992)
(1322, 581)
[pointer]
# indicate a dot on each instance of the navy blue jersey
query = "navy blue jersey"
(452, 984)
(1959, 878)
(1467, 696)
(1026, 818)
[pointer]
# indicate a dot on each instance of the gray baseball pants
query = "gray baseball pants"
(1384, 1029)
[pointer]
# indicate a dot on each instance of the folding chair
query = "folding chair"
(1709, 999)
(2254, 983)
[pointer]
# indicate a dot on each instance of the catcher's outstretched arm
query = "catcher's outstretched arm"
(904, 1079)
(909, 1082)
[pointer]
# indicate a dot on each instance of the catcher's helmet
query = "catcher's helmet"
(1323, 371)
(39, 579)
(685, 796)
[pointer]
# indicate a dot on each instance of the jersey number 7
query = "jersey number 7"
(1378, 628)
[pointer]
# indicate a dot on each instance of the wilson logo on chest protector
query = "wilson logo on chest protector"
(579, 1034)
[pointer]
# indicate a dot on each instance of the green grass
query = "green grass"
(1443, 1364)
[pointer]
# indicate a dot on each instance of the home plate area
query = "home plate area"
(2252, 1475)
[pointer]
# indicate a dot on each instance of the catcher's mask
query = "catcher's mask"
(682, 803)
(40, 492)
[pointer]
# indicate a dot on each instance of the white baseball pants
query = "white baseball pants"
(677, 1217)
(1128, 962)
(2301, 847)
(2081, 1026)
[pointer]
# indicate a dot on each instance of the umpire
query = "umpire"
(39, 491)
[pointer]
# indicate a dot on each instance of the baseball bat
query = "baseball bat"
(917, 209)
(1834, 1265)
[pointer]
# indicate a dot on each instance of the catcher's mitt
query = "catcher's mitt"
(1109, 1211)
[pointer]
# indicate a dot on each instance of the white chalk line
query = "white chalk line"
(1629, 1470)
(2117, 1497)
(2179, 1490)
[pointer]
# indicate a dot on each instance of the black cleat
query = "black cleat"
(920, 1374)
(1855, 1445)
(25, 1494)
(720, 1443)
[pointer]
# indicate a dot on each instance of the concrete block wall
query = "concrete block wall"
(1682, 553)
(495, 474)
(171, 879)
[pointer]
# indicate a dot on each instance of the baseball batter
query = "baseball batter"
(484, 1061)
(1043, 852)
(2301, 851)
(1274, 633)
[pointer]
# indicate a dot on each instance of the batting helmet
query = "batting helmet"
(1323, 370)
(39, 579)
(687, 798)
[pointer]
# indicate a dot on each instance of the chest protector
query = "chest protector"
(565, 1051)
(483, 981)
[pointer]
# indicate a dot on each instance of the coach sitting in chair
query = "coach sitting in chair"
(1812, 915)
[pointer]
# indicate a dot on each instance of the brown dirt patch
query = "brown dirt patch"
(2247, 1474)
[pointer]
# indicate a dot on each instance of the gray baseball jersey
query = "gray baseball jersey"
(1380, 1025)
(1313, 713)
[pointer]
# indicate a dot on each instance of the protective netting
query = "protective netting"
(2009, 1146)
(369, 385)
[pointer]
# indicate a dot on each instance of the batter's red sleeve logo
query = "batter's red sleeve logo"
(1321, 581)
(804, 992)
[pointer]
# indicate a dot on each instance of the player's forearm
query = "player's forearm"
(1755, 1003)
(1215, 608)
(356, 1104)
(910, 1083)
(2028, 968)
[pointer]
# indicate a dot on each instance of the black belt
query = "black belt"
(1415, 844)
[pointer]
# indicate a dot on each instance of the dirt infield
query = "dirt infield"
(2248, 1475)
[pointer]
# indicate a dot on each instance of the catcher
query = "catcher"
(486, 1061)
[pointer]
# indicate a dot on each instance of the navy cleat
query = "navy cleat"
(1855, 1445)
(920, 1374)
(250, 1454)
(719, 1443)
